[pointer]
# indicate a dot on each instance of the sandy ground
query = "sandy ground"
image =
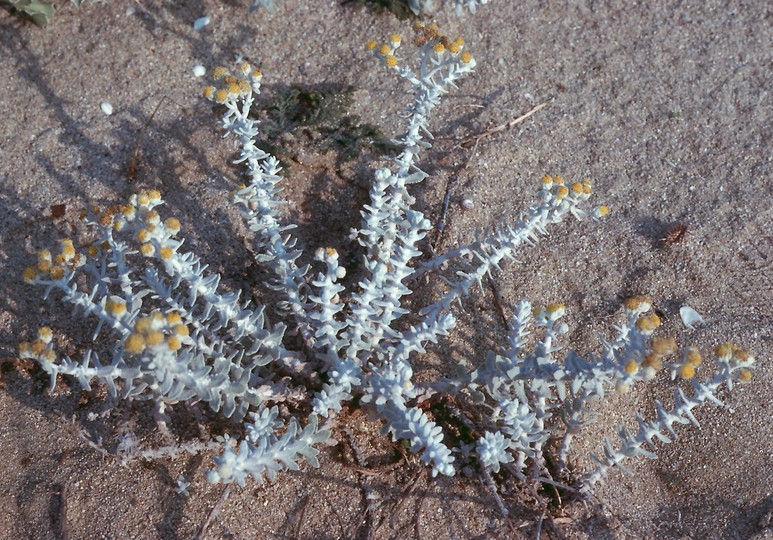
(665, 105)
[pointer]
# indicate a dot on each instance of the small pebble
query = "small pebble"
(200, 23)
(106, 108)
(467, 204)
(199, 70)
(690, 317)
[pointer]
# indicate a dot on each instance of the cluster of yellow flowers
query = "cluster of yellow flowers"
(233, 87)
(551, 312)
(41, 349)
(54, 267)
(646, 323)
(582, 188)
(736, 358)
(426, 36)
(152, 236)
(653, 361)
(157, 331)
(430, 34)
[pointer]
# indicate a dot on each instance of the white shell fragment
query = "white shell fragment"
(690, 317)
(467, 204)
(200, 23)
(106, 108)
(199, 70)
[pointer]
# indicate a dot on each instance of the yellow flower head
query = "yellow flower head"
(653, 361)
(221, 96)
(153, 218)
(555, 310)
(105, 219)
(244, 87)
(663, 346)
(173, 343)
(143, 235)
(38, 346)
(622, 387)
(742, 356)
(135, 344)
(154, 338)
(172, 225)
(648, 324)
(725, 351)
(687, 371)
(29, 274)
(45, 334)
(143, 325)
(181, 330)
(115, 306)
(220, 72)
(147, 249)
(638, 303)
(693, 356)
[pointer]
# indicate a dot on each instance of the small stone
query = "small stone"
(200, 23)
(690, 317)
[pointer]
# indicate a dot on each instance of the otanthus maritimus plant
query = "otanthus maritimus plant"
(179, 338)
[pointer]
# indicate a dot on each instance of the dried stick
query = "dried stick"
(212, 514)
(61, 518)
(496, 129)
(465, 143)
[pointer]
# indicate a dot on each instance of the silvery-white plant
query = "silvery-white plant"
(177, 338)
(423, 6)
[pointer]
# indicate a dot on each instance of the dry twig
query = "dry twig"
(201, 531)
(61, 517)
(501, 127)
